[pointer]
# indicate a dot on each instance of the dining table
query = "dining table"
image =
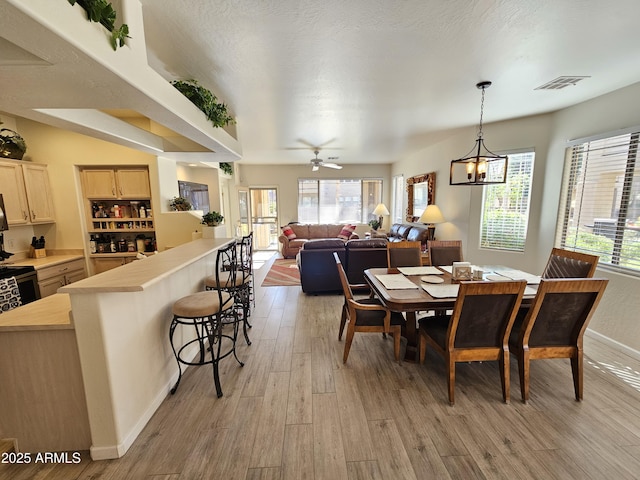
(404, 290)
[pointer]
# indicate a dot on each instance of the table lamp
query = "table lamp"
(380, 210)
(431, 216)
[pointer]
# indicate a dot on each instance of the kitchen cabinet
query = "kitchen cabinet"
(107, 263)
(116, 183)
(27, 192)
(118, 212)
(50, 279)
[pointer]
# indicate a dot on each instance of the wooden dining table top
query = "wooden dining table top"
(417, 299)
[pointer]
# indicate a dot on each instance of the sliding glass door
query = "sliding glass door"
(264, 218)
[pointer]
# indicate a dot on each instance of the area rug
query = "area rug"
(283, 273)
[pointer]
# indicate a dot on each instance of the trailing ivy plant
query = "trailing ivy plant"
(102, 11)
(226, 168)
(206, 101)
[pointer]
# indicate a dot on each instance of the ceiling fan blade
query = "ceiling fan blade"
(332, 165)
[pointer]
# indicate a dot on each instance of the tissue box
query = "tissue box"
(461, 271)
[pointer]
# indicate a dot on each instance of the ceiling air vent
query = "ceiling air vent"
(560, 82)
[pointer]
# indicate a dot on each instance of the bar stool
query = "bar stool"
(208, 313)
(241, 286)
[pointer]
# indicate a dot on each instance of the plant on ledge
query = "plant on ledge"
(226, 168)
(212, 219)
(180, 204)
(375, 224)
(102, 11)
(206, 101)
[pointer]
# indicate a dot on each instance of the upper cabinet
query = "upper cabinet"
(27, 192)
(116, 183)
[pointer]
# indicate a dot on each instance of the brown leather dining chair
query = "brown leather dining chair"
(404, 254)
(366, 315)
(478, 329)
(569, 264)
(554, 326)
(444, 252)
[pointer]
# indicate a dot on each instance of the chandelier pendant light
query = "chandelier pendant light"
(480, 166)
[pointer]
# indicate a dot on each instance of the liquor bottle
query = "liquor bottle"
(112, 246)
(92, 244)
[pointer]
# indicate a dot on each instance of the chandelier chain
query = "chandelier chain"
(481, 114)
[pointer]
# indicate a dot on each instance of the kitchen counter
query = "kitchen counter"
(42, 395)
(44, 262)
(121, 322)
(53, 312)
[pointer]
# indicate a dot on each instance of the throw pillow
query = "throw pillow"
(288, 232)
(347, 230)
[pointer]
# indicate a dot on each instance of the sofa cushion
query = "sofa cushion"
(346, 232)
(324, 243)
(288, 232)
(403, 230)
(301, 230)
(418, 234)
(366, 243)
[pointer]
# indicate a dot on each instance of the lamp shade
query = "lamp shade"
(432, 214)
(381, 210)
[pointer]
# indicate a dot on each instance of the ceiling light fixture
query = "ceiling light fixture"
(480, 166)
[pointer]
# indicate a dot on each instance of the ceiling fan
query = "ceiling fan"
(316, 163)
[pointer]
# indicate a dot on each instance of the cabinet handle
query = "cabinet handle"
(33, 214)
(64, 269)
(24, 212)
(113, 190)
(120, 191)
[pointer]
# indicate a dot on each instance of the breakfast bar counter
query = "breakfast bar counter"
(121, 320)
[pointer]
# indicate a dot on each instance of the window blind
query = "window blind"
(338, 200)
(505, 207)
(601, 201)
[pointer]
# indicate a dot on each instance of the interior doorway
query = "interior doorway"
(264, 217)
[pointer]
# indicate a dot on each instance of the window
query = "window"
(505, 207)
(338, 200)
(600, 209)
(397, 197)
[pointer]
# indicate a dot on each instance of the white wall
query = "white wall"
(285, 179)
(616, 318)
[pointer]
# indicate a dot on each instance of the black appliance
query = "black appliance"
(27, 281)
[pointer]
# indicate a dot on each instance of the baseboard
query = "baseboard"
(117, 451)
(621, 347)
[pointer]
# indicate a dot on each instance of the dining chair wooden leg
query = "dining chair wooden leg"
(348, 341)
(422, 348)
(523, 368)
(343, 321)
(576, 369)
(505, 373)
(397, 334)
(451, 378)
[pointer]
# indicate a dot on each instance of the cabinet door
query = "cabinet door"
(74, 276)
(133, 183)
(14, 194)
(99, 183)
(103, 264)
(36, 181)
(51, 285)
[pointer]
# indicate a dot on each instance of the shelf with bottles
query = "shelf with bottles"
(121, 244)
(134, 211)
(120, 225)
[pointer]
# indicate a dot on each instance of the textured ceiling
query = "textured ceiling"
(368, 78)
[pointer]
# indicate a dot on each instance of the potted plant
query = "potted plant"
(226, 168)
(12, 145)
(375, 224)
(212, 219)
(180, 204)
(206, 102)
(102, 11)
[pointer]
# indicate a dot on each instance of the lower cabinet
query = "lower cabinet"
(50, 279)
(103, 264)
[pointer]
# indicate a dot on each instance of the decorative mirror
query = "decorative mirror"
(421, 191)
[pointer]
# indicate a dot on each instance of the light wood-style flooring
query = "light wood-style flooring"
(296, 412)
